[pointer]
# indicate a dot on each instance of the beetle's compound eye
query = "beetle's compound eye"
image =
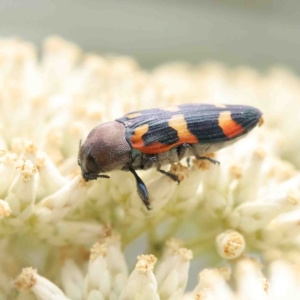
(91, 166)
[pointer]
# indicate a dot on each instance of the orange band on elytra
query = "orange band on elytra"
(228, 125)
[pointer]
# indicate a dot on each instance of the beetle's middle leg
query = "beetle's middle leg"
(200, 157)
(153, 160)
(172, 176)
(182, 152)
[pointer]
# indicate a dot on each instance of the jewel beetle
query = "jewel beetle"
(155, 137)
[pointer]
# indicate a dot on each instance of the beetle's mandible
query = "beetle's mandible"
(151, 138)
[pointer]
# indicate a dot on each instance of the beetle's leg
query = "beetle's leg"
(215, 162)
(204, 157)
(182, 150)
(172, 176)
(188, 162)
(141, 188)
(149, 161)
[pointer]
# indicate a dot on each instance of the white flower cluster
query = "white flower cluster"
(50, 217)
(107, 278)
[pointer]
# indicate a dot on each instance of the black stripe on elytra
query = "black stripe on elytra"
(246, 116)
(206, 127)
(163, 133)
(159, 129)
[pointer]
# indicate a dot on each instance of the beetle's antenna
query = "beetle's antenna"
(103, 176)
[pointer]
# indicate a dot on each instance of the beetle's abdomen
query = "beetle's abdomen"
(157, 131)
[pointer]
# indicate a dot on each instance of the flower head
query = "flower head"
(219, 214)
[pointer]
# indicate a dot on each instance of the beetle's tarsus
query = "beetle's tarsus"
(172, 176)
(215, 162)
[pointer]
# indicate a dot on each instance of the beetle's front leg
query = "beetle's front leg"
(141, 188)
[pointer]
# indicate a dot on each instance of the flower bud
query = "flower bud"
(42, 288)
(230, 244)
(141, 282)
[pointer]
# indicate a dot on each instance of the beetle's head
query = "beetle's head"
(104, 150)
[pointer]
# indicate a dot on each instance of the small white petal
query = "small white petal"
(98, 193)
(65, 232)
(5, 210)
(29, 151)
(7, 170)
(249, 281)
(58, 60)
(94, 295)
(284, 281)
(284, 229)
(185, 198)
(251, 216)
(22, 191)
(106, 268)
(40, 286)
(216, 203)
(212, 285)
(65, 199)
(172, 273)
(141, 282)
(72, 280)
(50, 178)
(247, 186)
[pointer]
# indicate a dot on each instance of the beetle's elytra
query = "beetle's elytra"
(151, 138)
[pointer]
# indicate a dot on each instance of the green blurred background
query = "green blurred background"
(257, 33)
